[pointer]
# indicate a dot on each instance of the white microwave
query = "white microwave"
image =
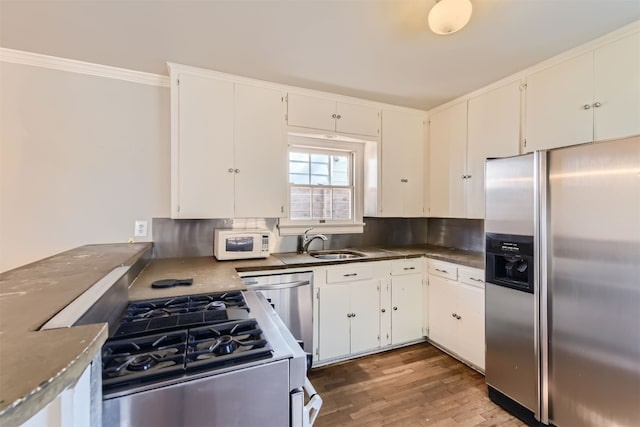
(240, 244)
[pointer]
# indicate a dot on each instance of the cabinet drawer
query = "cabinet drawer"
(471, 276)
(407, 266)
(349, 273)
(443, 269)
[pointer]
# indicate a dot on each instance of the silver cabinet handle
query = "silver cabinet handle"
(409, 268)
(476, 280)
(468, 176)
(230, 170)
(404, 180)
(350, 274)
(441, 271)
(395, 308)
(597, 105)
(237, 170)
(586, 106)
(384, 310)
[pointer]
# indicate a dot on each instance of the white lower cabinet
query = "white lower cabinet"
(456, 310)
(364, 307)
(348, 318)
(402, 308)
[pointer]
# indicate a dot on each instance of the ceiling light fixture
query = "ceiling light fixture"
(449, 16)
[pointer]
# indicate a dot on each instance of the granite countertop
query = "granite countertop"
(208, 274)
(29, 297)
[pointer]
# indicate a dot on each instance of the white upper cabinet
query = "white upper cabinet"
(493, 131)
(617, 89)
(593, 96)
(228, 149)
(402, 178)
(202, 150)
(447, 162)
(559, 99)
(336, 116)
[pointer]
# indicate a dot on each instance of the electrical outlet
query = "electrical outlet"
(140, 229)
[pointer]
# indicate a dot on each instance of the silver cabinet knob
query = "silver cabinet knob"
(349, 315)
(353, 315)
(597, 105)
(395, 308)
(333, 116)
(458, 317)
(339, 116)
(586, 106)
(237, 170)
(384, 310)
(230, 170)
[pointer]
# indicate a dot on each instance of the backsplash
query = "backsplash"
(467, 234)
(194, 237)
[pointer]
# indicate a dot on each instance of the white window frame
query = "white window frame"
(289, 227)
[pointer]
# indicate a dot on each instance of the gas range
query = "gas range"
(172, 337)
(200, 360)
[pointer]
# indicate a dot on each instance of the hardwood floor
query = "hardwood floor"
(417, 385)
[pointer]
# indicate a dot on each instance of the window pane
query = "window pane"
(299, 179)
(341, 201)
(319, 180)
(321, 203)
(320, 158)
(302, 157)
(300, 203)
(299, 167)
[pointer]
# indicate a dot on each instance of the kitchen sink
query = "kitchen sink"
(336, 255)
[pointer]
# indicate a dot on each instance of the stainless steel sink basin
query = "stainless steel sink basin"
(336, 255)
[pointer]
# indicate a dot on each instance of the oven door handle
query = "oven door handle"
(312, 408)
(257, 287)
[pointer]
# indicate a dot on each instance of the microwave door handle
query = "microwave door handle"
(257, 287)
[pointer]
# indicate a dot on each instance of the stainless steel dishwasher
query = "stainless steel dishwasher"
(291, 295)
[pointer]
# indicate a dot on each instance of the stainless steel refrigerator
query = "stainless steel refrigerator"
(563, 284)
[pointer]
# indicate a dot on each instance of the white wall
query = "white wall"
(81, 158)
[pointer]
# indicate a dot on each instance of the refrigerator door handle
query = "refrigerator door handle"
(542, 309)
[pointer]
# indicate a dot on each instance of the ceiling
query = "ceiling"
(380, 50)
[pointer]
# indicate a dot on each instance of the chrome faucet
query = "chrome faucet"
(306, 239)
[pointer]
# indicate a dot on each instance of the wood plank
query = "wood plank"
(417, 385)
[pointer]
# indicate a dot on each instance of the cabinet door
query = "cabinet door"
(558, 105)
(333, 330)
(311, 112)
(358, 119)
(471, 336)
(407, 309)
(365, 320)
(402, 164)
(617, 89)
(447, 160)
(204, 154)
(494, 131)
(442, 306)
(260, 153)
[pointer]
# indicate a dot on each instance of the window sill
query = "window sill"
(291, 229)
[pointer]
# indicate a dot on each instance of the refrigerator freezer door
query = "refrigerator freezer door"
(509, 192)
(594, 284)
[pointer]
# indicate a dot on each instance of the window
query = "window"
(320, 185)
(325, 190)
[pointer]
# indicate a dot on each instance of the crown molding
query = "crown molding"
(80, 67)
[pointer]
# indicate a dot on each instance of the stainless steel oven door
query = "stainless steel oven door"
(255, 396)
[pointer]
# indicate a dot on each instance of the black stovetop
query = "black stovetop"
(162, 338)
